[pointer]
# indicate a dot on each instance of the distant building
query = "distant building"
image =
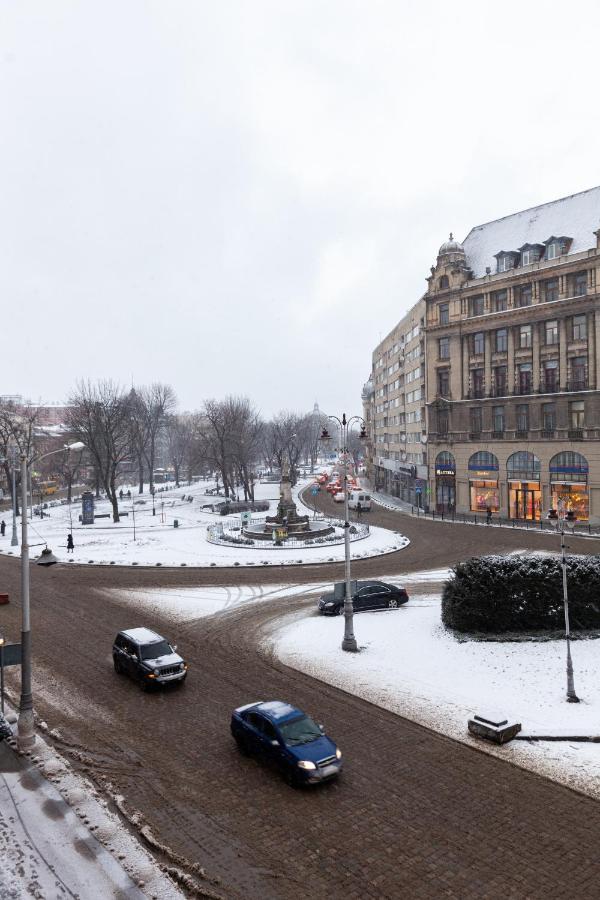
(513, 364)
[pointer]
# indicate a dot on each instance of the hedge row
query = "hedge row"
(521, 593)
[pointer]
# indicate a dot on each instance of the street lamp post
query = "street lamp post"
(560, 519)
(349, 640)
(153, 491)
(26, 732)
(14, 539)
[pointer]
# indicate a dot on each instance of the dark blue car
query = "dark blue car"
(284, 735)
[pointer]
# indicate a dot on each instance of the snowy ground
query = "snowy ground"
(412, 666)
(408, 663)
(158, 542)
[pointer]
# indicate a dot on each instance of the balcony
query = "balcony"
(476, 393)
(547, 434)
(575, 434)
(522, 390)
(521, 435)
(577, 384)
(475, 435)
(500, 390)
(497, 435)
(549, 387)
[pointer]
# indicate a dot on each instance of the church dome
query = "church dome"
(450, 246)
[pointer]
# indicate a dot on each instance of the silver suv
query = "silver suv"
(148, 658)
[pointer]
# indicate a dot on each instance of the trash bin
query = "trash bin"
(175, 523)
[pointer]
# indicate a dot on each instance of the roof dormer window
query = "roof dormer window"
(557, 246)
(530, 253)
(506, 260)
(551, 251)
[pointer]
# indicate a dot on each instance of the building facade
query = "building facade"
(513, 365)
(394, 410)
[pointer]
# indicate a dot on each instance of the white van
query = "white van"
(356, 497)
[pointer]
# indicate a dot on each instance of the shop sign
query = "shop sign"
(445, 470)
(484, 474)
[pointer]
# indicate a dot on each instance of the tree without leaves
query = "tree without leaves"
(99, 415)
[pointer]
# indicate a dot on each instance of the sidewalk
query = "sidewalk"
(46, 851)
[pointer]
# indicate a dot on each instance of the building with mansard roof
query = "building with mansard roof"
(512, 342)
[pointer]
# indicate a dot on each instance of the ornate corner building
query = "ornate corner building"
(513, 366)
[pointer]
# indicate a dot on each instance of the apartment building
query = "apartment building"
(394, 410)
(513, 365)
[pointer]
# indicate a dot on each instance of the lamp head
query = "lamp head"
(570, 519)
(325, 436)
(363, 434)
(552, 515)
(47, 558)
(78, 445)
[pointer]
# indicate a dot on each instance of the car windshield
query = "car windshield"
(300, 731)
(152, 651)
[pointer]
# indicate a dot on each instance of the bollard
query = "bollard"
(175, 523)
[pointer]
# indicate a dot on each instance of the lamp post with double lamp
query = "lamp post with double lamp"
(560, 519)
(26, 732)
(14, 539)
(345, 425)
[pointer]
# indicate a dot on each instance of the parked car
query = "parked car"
(333, 487)
(365, 594)
(148, 658)
(339, 497)
(284, 736)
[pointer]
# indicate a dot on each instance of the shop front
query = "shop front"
(484, 492)
(445, 482)
(523, 471)
(569, 484)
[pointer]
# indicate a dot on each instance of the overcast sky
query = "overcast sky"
(244, 197)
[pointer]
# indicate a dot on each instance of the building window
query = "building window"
(551, 251)
(476, 305)
(500, 384)
(477, 343)
(549, 416)
(523, 417)
(578, 379)
(523, 296)
(551, 290)
(499, 301)
(577, 414)
(550, 373)
(579, 328)
(476, 419)
(444, 348)
(478, 382)
(525, 337)
(444, 283)
(551, 332)
(525, 257)
(444, 313)
(524, 378)
(443, 382)
(502, 340)
(442, 421)
(580, 284)
(498, 419)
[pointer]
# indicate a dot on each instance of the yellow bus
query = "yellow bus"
(47, 487)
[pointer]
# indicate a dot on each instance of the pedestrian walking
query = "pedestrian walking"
(2, 527)
(488, 515)
(70, 544)
(121, 494)
(358, 510)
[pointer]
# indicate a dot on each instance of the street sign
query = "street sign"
(11, 654)
(418, 490)
(246, 517)
(314, 490)
(87, 508)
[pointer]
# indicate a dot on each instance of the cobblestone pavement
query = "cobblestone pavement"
(414, 815)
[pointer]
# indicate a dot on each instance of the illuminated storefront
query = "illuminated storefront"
(524, 490)
(569, 484)
(484, 492)
(445, 482)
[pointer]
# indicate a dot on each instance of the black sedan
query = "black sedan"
(365, 595)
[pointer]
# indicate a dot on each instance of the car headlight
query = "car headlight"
(156, 671)
(338, 753)
(306, 764)
(330, 603)
(181, 666)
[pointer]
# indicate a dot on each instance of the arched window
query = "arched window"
(523, 466)
(445, 458)
(569, 466)
(444, 283)
(483, 460)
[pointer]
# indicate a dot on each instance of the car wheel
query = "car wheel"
(117, 666)
(144, 686)
(340, 609)
(392, 604)
(242, 746)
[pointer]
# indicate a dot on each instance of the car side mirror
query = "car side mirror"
(274, 743)
(174, 648)
(322, 729)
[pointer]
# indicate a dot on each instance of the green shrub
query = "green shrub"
(521, 593)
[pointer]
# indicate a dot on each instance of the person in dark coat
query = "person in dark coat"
(2, 527)
(70, 544)
(358, 509)
(488, 515)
